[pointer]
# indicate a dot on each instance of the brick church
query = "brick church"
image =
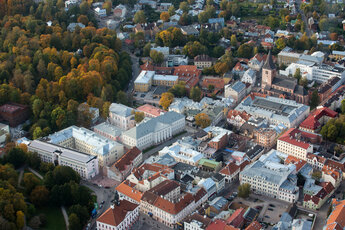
(280, 86)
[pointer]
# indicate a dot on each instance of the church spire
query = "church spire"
(269, 62)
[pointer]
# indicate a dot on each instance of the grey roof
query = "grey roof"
(62, 151)
(269, 62)
(120, 110)
(238, 86)
(254, 151)
(153, 125)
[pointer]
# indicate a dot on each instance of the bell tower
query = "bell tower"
(268, 72)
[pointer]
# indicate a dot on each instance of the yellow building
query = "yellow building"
(143, 82)
(165, 80)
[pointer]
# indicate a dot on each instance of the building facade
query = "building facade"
(121, 116)
(85, 165)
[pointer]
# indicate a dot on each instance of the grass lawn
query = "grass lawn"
(55, 220)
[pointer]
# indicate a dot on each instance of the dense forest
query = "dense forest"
(54, 70)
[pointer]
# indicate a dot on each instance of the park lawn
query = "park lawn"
(55, 220)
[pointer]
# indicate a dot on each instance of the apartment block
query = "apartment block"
(87, 141)
(86, 165)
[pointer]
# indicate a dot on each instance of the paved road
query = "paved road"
(102, 194)
(36, 173)
(65, 216)
(304, 18)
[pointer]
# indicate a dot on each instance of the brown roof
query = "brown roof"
(174, 208)
(229, 169)
(189, 74)
(243, 114)
(202, 57)
(202, 219)
(165, 187)
(254, 226)
(114, 216)
(126, 159)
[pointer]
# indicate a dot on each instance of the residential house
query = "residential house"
(203, 61)
(237, 118)
(189, 30)
(123, 167)
(316, 201)
(336, 219)
(122, 215)
(317, 119)
(237, 91)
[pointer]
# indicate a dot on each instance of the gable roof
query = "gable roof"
(336, 220)
(114, 216)
(269, 62)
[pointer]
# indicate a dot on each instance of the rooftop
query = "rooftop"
(115, 215)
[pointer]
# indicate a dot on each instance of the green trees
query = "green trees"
(316, 175)
(16, 157)
(30, 182)
(314, 100)
(245, 51)
(195, 93)
(139, 116)
(139, 17)
(157, 57)
(179, 90)
(244, 190)
(39, 196)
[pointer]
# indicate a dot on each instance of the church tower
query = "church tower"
(268, 72)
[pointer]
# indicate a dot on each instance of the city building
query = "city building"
(121, 116)
(237, 91)
(108, 130)
(249, 76)
(336, 220)
(120, 216)
(212, 85)
(203, 61)
(270, 178)
(13, 113)
(84, 164)
(320, 116)
(237, 118)
(164, 50)
(265, 137)
(281, 86)
(230, 171)
(316, 201)
(181, 152)
(296, 143)
(150, 110)
(286, 58)
(124, 166)
(190, 74)
(128, 192)
(154, 131)
(168, 212)
(120, 11)
(196, 222)
(189, 30)
(275, 110)
(87, 141)
(143, 82)
(313, 71)
(4, 132)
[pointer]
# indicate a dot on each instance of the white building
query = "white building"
(84, 164)
(293, 143)
(249, 76)
(100, 12)
(314, 72)
(119, 217)
(182, 153)
(237, 91)
(270, 178)
(275, 110)
(4, 131)
(87, 141)
(121, 116)
(155, 130)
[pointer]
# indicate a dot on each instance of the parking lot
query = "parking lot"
(270, 209)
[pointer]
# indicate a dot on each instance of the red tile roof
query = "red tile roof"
(254, 226)
(189, 74)
(312, 121)
(114, 216)
(150, 109)
(243, 114)
(289, 137)
(127, 159)
(236, 219)
(336, 220)
(229, 169)
(336, 165)
(127, 189)
(217, 82)
(297, 162)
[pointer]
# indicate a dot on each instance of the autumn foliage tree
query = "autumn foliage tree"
(166, 99)
(165, 16)
(202, 120)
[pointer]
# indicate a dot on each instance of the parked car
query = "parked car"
(271, 209)
(272, 205)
